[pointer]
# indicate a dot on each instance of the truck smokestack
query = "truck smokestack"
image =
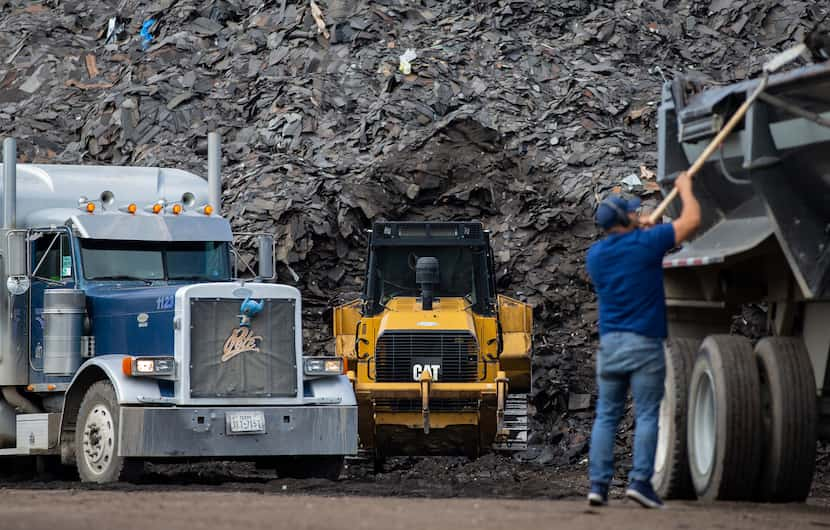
(9, 183)
(427, 276)
(215, 171)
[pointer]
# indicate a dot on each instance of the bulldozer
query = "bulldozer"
(440, 362)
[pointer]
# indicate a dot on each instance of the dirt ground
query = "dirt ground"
(491, 492)
(194, 510)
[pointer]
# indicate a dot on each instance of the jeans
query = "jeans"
(627, 360)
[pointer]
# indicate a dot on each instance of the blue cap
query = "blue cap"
(610, 210)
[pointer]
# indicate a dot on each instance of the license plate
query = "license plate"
(426, 364)
(245, 422)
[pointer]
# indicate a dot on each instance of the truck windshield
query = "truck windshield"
(460, 268)
(104, 259)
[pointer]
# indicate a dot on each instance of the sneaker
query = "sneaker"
(598, 495)
(644, 494)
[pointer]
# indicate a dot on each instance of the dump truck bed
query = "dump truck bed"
(770, 181)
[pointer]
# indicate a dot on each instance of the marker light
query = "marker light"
(208, 209)
(177, 209)
(127, 365)
(90, 207)
(132, 208)
(157, 207)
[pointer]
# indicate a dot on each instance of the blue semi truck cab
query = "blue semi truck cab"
(125, 336)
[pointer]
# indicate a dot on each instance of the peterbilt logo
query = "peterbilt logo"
(241, 340)
(142, 319)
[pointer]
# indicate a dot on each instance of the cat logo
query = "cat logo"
(241, 340)
(419, 369)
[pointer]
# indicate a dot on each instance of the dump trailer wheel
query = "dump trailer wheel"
(788, 393)
(671, 478)
(327, 467)
(96, 438)
(724, 420)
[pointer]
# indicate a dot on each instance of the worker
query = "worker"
(626, 270)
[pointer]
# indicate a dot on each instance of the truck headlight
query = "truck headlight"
(323, 366)
(149, 366)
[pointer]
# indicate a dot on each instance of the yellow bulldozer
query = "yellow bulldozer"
(439, 361)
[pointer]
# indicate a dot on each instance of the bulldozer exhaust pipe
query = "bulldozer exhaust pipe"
(427, 276)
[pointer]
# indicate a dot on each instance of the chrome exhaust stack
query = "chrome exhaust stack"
(214, 153)
(14, 368)
(9, 184)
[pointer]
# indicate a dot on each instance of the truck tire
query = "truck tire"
(96, 438)
(724, 420)
(788, 393)
(327, 467)
(671, 477)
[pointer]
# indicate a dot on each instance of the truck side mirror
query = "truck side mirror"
(266, 257)
(17, 267)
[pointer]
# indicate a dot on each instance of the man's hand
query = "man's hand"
(689, 220)
(645, 221)
(683, 183)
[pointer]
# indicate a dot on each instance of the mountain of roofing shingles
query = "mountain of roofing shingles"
(518, 113)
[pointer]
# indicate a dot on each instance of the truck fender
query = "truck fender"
(129, 390)
(333, 387)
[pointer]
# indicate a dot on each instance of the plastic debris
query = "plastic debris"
(632, 181)
(146, 37)
(405, 65)
(115, 28)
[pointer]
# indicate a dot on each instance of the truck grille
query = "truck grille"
(398, 353)
(260, 362)
(435, 405)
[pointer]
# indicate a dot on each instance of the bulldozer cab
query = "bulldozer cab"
(464, 264)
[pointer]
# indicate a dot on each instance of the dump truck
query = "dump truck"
(439, 360)
(741, 416)
(125, 336)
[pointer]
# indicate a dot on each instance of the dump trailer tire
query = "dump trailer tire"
(672, 479)
(725, 420)
(789, 414)
(327, 467)
(96, 438)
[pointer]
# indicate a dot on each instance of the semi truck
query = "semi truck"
(439, 359)
(741, 415)
(125, 336)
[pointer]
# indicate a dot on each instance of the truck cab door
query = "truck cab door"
(52, 266)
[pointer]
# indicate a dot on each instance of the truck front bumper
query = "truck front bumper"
(203, 432)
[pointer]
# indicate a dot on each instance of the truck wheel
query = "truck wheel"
(671, 477)
(724, 420)
(788, 395)
(96, 438)
(327, 467)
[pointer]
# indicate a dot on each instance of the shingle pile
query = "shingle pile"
(516, 112)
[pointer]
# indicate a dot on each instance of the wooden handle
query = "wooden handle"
(710, 149)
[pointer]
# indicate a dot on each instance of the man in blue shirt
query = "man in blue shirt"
(626, 270)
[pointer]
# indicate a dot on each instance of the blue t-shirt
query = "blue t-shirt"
(627, 271)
